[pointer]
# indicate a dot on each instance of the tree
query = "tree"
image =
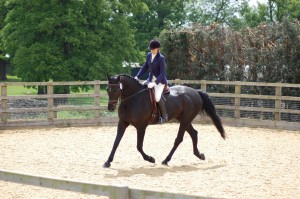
(159, 15)
(3, 57)
(294, 9)
(249, 16)
(281, 9)
(212, 11)
(65, 40)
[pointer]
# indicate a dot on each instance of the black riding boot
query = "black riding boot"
(162, 107)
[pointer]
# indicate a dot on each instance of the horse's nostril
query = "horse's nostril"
(111, 107)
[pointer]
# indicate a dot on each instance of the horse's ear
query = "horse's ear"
(107, 75)
(119, 77)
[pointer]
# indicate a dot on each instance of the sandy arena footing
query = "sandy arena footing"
(251, 163)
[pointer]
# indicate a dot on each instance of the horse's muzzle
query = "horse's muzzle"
(111, 107)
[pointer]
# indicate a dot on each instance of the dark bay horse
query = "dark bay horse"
(183, 103)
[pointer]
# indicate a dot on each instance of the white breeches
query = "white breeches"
(158, 89)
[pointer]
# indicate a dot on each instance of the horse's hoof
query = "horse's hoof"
(106, 165)
(202, 156)
(151, 159)
(165, 163)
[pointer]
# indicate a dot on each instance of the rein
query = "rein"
(122, 100)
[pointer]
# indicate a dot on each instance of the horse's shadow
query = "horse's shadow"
(157, 171)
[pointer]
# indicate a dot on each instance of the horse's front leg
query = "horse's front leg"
(140, 141)
(121, 129)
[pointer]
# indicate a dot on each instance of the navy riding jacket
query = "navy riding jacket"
(156, 68)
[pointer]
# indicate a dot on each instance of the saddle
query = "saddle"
(155, 113)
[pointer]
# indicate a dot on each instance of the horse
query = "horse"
(183, 103)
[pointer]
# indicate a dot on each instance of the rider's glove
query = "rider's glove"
(151, 84)
(136, 78)
(145, 82)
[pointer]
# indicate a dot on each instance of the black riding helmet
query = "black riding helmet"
(154, 44)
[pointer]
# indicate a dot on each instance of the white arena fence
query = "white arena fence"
(113, 192)
(253, 104)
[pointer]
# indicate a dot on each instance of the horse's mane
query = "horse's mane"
(130, 77)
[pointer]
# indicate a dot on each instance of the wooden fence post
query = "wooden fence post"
(4, 103)
(177, 81)
(50, 102)
(203, 85)
(97, 99)
(277, 103)
(237, 101)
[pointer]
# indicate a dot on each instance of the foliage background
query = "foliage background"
(268, 53)
(67, 40)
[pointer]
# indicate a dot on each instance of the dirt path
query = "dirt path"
(251, 163)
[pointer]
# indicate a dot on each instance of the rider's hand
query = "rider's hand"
(151, 84)
(145, 82)
(136, 78)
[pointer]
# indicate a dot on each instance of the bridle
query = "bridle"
(122, 100)
(113, 101)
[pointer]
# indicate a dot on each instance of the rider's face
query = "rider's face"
(154, 51)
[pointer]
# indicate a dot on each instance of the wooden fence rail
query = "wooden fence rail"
(277, 114)
(113, 192)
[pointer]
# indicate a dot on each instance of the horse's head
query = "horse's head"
(123, 86)
(113, 90)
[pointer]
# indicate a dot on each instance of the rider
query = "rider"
(156, 64)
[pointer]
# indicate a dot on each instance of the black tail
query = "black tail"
(210, 110)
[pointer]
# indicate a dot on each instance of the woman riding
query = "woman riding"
(156, 64)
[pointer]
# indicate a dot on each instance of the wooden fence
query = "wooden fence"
(235, 104)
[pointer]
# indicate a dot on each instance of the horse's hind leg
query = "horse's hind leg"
(194, 135)
(140, 141)
(178, 140)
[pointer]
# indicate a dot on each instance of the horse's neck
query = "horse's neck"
(130, 88)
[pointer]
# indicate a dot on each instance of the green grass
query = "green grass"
(12, 79)
(83, 114)
(75, 114)
(18, 90)
(85, 100)
(21, 90)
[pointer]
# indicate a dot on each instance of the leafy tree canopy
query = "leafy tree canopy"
(65, 40)
(161, 15)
